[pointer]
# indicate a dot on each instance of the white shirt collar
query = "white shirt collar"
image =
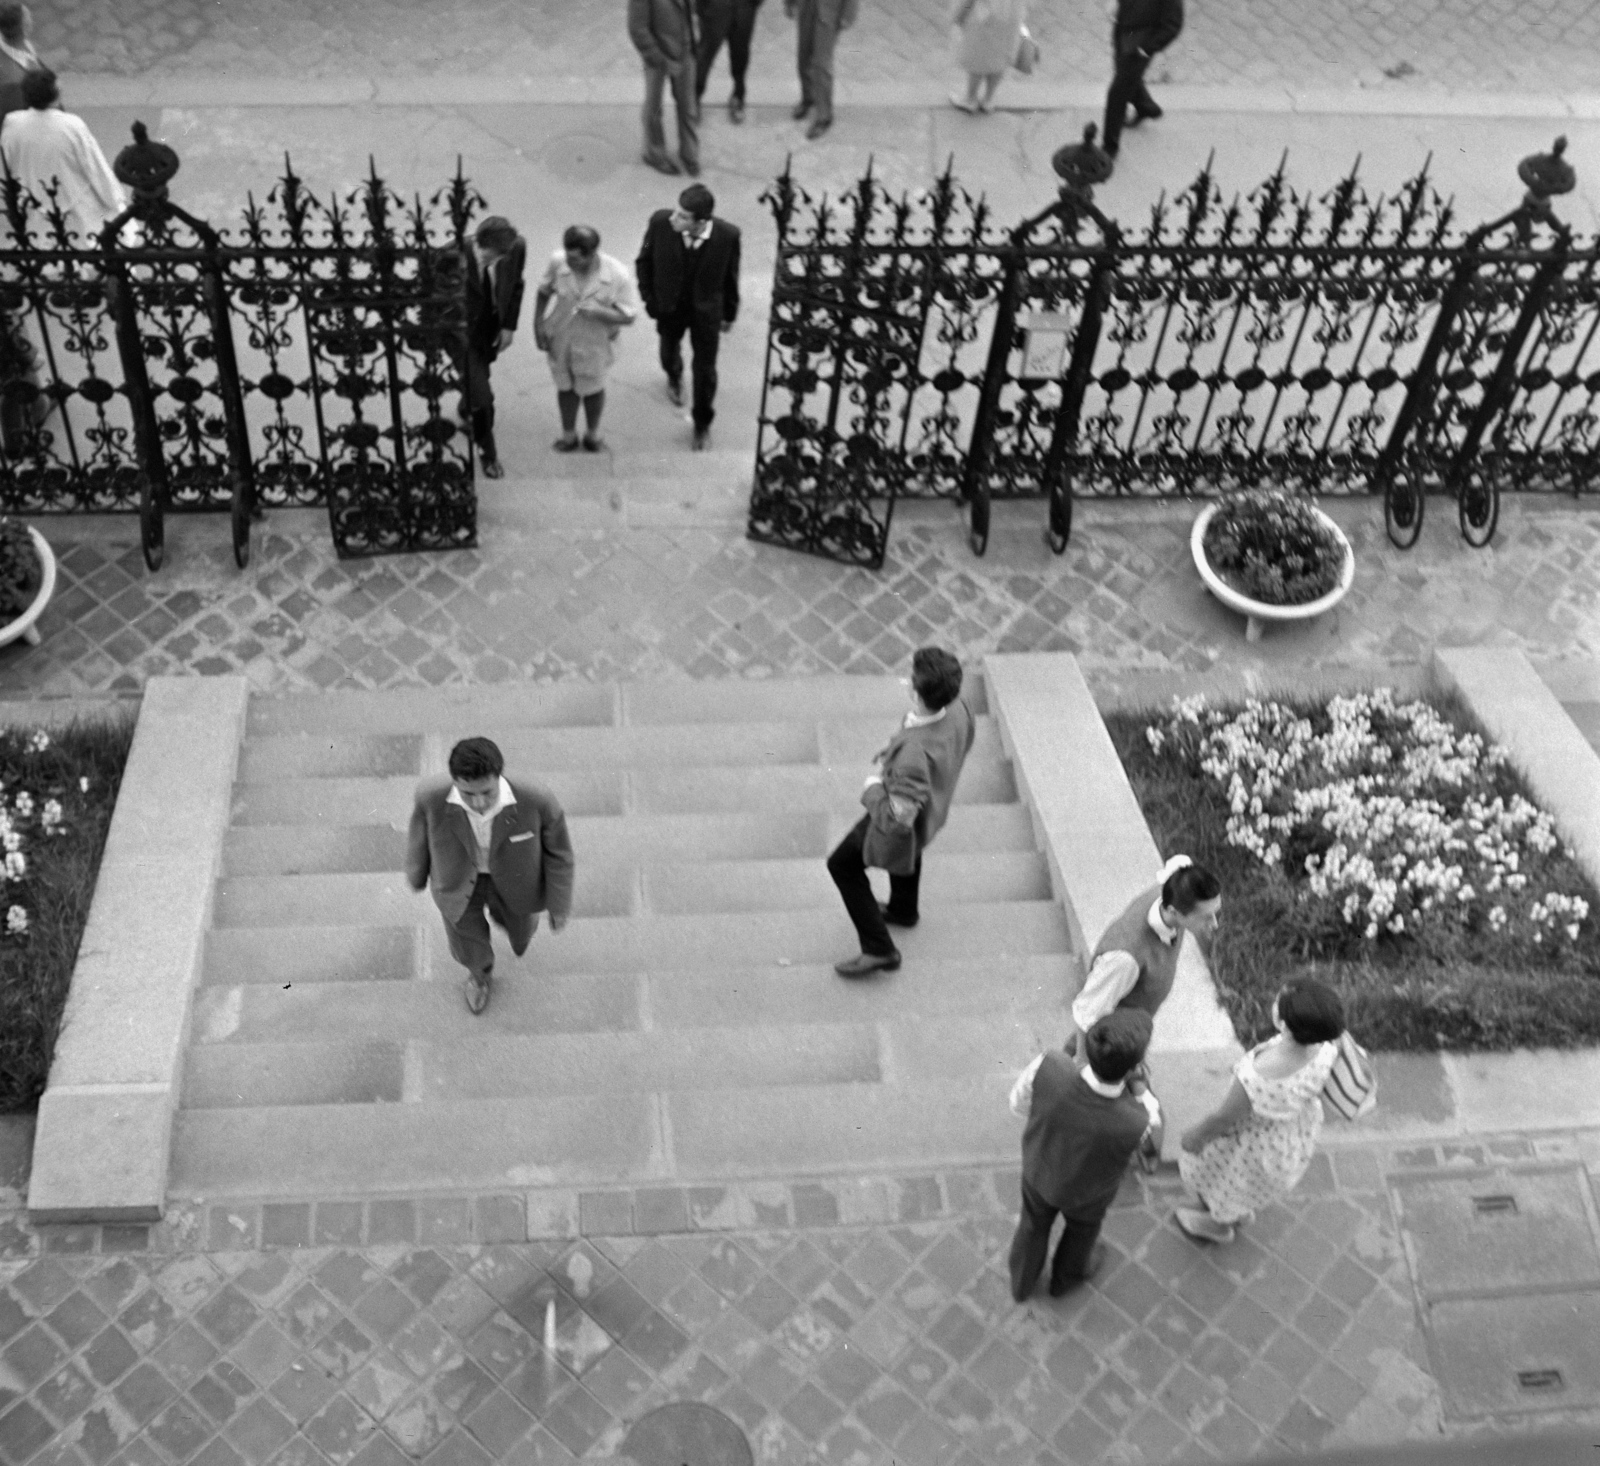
(1168, 934)
(502, 798)
(1099, 1086)
(921, 720)
(699, 234)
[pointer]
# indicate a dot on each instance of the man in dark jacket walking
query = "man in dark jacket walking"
(733, 21)
(495, 265)
(662, 31)
(688, 273)
(1083, 1128)
(1142, 28)
(817, 27)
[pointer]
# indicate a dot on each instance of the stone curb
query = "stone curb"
(178, 90)
(105, 1121)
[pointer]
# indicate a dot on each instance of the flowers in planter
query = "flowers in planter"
(1387, 819)
(21, 572)
(1273, 547)
(24, 817)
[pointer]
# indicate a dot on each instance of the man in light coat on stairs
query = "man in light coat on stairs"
(487, 845)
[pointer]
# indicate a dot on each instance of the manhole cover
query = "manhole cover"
(1506, 1356)
(1486, 1230)
(687, 1434)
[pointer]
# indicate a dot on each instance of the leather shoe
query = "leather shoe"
(702, 439)
(735, 109)
(890, 919)
(1097, 1260)
(1196, 1222)
(477, 994)
(491, 468)
(801, 110)
(817, 128)
(1153, 111)
(675, 391)
(661, 164)
(866, 964)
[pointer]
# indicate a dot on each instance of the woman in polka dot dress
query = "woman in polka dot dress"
(1256, 1146)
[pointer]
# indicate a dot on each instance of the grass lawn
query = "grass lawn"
(55, 808)
(1367, 850)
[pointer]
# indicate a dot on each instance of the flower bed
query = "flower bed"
(57, 793)
(1385, 848)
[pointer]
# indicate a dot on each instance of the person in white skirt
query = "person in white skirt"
(1254, 1148)
(988, 33)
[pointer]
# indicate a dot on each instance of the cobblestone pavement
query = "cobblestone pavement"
(622, 603)
(1497, 45)
(865, 1322)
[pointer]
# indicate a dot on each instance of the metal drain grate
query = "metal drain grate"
(687, 1434)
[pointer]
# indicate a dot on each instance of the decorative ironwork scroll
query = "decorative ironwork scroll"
(1344, 344)
(312, 356)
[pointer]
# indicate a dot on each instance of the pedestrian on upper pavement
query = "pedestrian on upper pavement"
(44, 145)
(1137, 958)
(907, 802)
(495, 266)
(1083, 1127)
(1255, 1147)
(817, 27)
(688, 270)
(988, 33)
(17, 56)
(733, 21)
(485, 844)
(583, 302)
(1141, 29)
(663, 33)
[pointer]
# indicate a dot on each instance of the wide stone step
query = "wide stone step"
(777, 700)
(611, 839)
(385, 899)
(536, 1001)
(457, 711)
(467, 1066)
(540, 751)
(287, 955)
(785, 787)
(329, 1151)
(1001, 931)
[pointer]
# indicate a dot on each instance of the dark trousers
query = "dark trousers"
(680, 80)
(816, 34)
(704, 337)
(477, 401)
(469, 938)
(1127, 89)
(849, 872)
(733, 21)
(1032, 1241)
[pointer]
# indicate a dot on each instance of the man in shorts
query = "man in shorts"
(583, 302)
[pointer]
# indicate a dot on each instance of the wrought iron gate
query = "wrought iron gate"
(1343, 344)
(313, 358)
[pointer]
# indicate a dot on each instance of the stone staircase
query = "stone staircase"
(687, 1024)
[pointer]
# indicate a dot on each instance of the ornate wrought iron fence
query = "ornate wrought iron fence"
(1343, 344)
(309, 356)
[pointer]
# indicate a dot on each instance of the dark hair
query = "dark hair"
(496, 233)
(581, 238)
(1311, 1011)
(1188, 886)
(11, 20)
(476, 758)
(1116, 1044)
(39, 89)
(698, 200)
(935, 676)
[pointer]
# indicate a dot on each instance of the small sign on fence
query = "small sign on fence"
(1044, 344)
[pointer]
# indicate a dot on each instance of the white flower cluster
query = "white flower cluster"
(1399, 802)
(22, 818)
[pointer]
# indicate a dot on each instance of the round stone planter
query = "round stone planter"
(23, 626)
(1258, 613)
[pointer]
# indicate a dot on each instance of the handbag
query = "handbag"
(1027, 52)
(1351, 1090)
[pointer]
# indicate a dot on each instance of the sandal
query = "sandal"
(1201, 1225)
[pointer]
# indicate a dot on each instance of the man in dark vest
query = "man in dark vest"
(688, 273)
(1083, 1127)
(1142, 28)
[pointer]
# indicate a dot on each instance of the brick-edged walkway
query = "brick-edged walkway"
(862, 1321)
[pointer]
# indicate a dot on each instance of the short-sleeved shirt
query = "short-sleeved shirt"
(583, 346)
